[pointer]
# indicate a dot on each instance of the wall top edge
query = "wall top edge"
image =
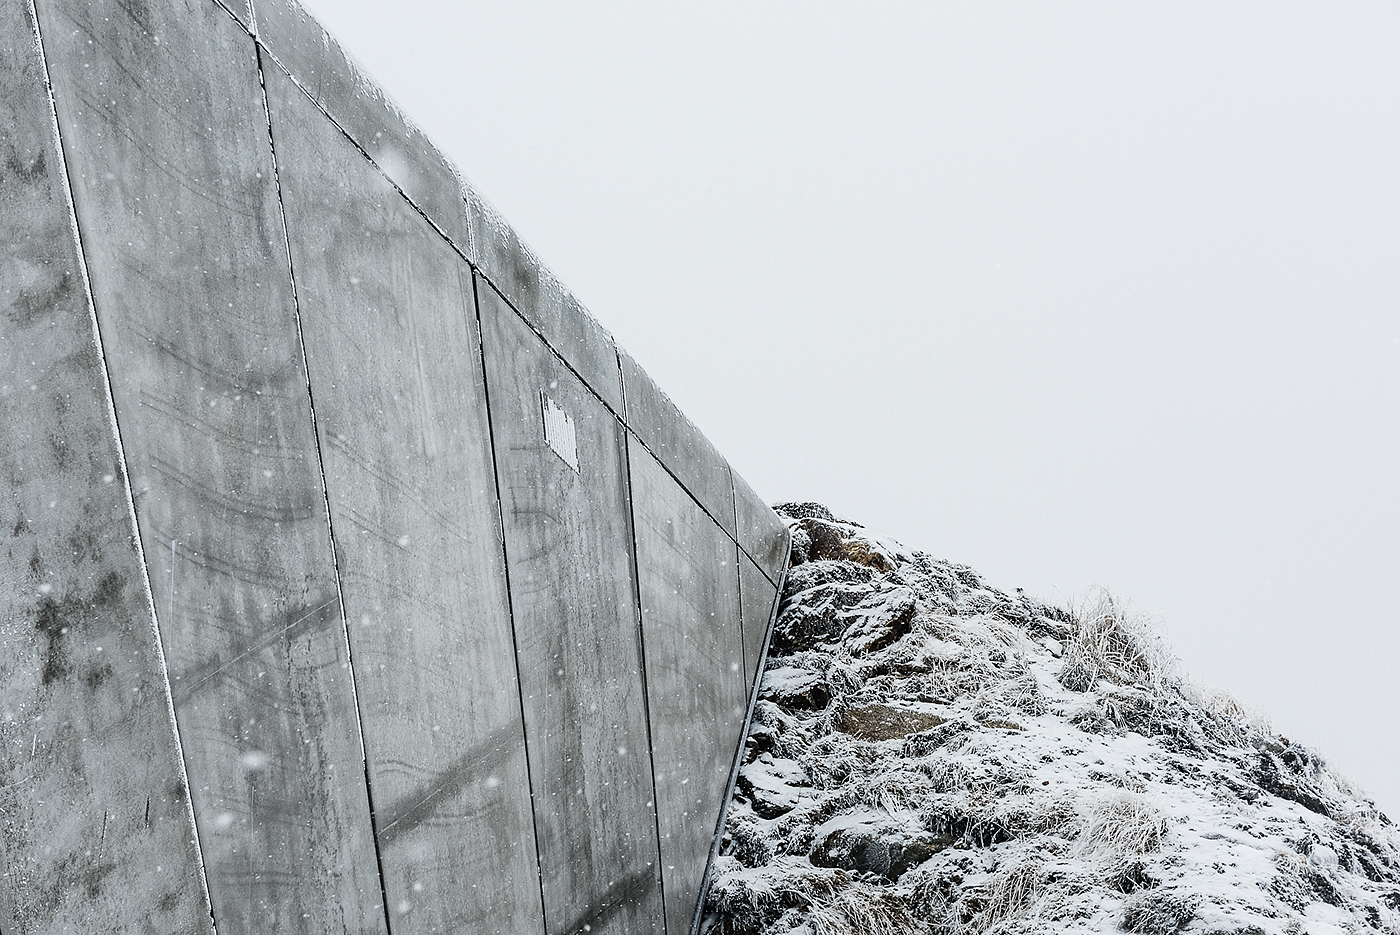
(337, 64)
(349, 96)
(481, 212)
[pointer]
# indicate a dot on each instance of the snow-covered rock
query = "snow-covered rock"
(932, 755)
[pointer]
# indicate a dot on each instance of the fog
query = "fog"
(1077, 294)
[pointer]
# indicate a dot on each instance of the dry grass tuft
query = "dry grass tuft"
(1109, 643)
(901, 790)
(861, 909)
(1013, 892)
(1125, 825)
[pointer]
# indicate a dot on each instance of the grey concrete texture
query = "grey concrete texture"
(241, 10)
(97, 833)
(678, 444)
(342, 89)
(567, 537)
(696, 686)
(170, 162)
(389, 583)
(403, 430)
(757, 600)
(519, 275)
(760, 533)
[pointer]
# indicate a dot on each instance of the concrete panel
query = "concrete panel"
(172, 172)
(240, 10)
(405, 440)
(757, 596)
(96, 832)
(695, 672)
(567, 545)
(761, 533)
(546, 303)
(675, 440)
(340, 86)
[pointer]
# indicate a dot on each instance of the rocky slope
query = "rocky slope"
(932, 755)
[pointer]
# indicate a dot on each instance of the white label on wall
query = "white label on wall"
(559, 431)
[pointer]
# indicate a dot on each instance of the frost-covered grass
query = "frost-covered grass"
(1124, 824)
(1111, 644)
(932, 755)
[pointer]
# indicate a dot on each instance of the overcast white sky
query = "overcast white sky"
(1076, 293)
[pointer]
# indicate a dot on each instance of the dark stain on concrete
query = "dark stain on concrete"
(41, 298)
(55, 619)
(477, 764)
(32, 171)
(96, 675)
(94, 875)
(630, 890)
(212, 670)
(51, 621)
(109, 590)
(140, 14)
(61, 450)
(84, 544)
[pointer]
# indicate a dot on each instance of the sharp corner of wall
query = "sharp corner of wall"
(345, 543)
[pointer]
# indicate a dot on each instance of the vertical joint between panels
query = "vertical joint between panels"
(505, 568)
(325, 489)
(734, 509)
(459, 249)
(115, 426)
(744, 729)
(622, 386)
(642, 648)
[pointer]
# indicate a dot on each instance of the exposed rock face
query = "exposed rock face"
(932, 755)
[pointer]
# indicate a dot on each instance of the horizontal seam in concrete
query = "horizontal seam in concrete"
(325, 490)
(743, 733)
(81, 256)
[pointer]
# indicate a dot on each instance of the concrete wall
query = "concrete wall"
(354, 580)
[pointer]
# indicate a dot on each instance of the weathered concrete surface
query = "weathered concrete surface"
(549, 306)
(240, 10)
(485, 554)
(172, 171)
(576, 623)
(756, 599)
(760, 533)
(679, 445)
(695, 671)
(341, 88)
(95, 830)
(404, 435)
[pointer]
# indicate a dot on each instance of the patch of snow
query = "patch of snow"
(988, 763)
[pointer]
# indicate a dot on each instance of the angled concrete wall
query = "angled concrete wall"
(355, 581)
(94, 813)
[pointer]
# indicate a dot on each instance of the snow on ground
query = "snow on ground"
(931, 755)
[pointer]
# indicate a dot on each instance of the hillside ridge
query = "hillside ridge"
(929, 754)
